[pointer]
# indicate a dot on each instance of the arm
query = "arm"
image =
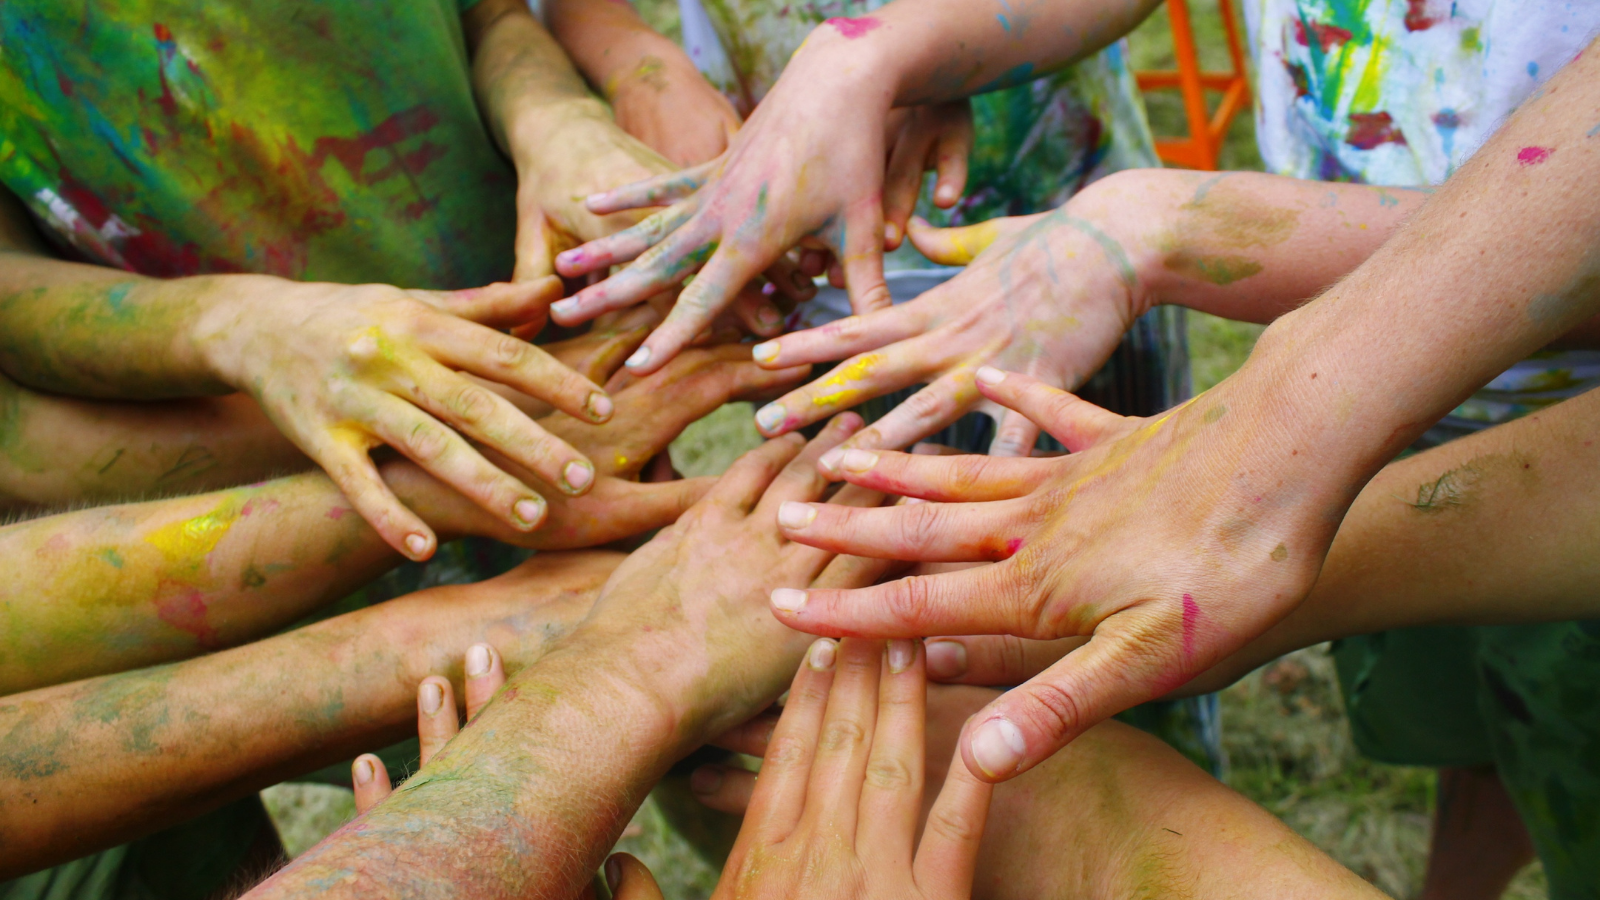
(657, 93)
(800, 172)
(95, 763)
(676, 651)
(108, 589)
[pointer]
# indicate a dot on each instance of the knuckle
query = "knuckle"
(428, 442)
(921, 527)
(787, 751)
(953, 826)
(909, 604)
(841, 736)
(1054, 709)
(508, 351)
(472, 404)
(889, 775)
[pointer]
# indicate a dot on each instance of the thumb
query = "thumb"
(535, 245)
(502, 304)
(370, 779)
(630, 879)
(1076, 423)
(858, 244)
(962, 244)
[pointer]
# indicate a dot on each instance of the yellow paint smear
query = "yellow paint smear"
(843, 377)
(196, 537)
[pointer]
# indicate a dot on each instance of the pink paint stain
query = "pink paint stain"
(187, 612)
(337, 513)
(1013, 545)
(1532, 156)
(854, 28)
(1191, 615)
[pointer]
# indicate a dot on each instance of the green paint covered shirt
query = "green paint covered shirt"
(334, 140)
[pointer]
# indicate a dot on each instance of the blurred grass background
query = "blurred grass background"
(1284, 729)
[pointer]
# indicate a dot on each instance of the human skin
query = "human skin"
(677, 650)
(802, 172)
(95, 763)
(1423, 544)
(1175, 541)
(108, 589)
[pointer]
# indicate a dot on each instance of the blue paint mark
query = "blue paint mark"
(1533, 70)
(1003, 23)
(115, 298)
(1593, 131)
(1014, 76)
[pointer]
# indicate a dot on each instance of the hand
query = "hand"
(1050, 295)
(935, 137)
(343, 369)
(836, 811)
(665, 102)
(798, 171)
(1171, 542)
(650, 413)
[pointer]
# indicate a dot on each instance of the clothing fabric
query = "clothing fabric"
(315, 140)
(1402, 94)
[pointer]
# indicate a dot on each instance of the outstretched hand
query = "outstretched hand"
(1169, 541)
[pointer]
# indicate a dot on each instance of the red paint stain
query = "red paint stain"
(1417, 16)
(1191, 615)
(1326, 35)
(1013, 545)
(1532, 156)
(187, 612)
(337, 513)
(1369, 130)
(854, 28)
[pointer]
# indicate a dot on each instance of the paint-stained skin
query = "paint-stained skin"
(1458, 488)
(1213, 235)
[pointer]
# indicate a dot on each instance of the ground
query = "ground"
(1288, 745)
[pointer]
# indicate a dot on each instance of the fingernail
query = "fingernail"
(990, 375)
(789, 600)
(769, 417)
(577, 475)
(529, 512)
(706, 779)
(564, 307)
(946, 659)
(830, 460)
(599, 406)
(765, 352)
(417, 544)
(944, 194)
(997, 747)
(821, 656)
(912, 501)
(767, 317)
(858, 460)
(793, 514)
(640, 357)
(924, 448)
(613, 874)
(432, 698)
(569, 256)
(891, 232)
(901, 653)
(364, 772)
(801, 281)
(478, 660)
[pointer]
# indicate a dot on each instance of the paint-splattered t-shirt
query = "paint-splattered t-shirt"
(1402, 92)
(1037, 143)
(334, 141)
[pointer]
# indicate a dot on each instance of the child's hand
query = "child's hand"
(666, 103)
(934, 138)
(835, 812)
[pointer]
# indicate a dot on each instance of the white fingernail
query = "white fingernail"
(796, 515)
(858, 460)
(990, 375)
(529, 511)
(477, 660)
(765, 352)
(563, 307)
(830, 460)
(901, 653)
(639, 358)
(417, 544)
(789, 600)
(997, 747)
(821, 655)
(769, 417)
(577, 475)
(364, 772)
(432, 698)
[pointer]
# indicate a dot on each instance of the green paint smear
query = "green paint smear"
(1113, 250)
(1218, 270)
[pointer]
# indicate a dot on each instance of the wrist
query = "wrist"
(538, 132)
(222, 331)
(1134, 209)
(860, 68)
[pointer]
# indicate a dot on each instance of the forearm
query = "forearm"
(99, 762)
(612, 46)
(526, 85)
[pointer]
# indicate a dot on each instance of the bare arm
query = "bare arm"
(95, 763)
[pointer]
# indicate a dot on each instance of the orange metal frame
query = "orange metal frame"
(1198, 150)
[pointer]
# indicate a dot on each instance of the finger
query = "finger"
(779, 798)
(1016, 435)
(534, 247)
(750, 738)
(726, 789)
(954, 246)
(741, 487)
(1076, 423)
(947, 399)
(980, 600)
(967, 477)
(630, 879)
(813, 262)
(902, 183)
(679, 255)
(844, 743)
(948, 855)
(352, 470)
(485, 674)
(712, 290)
(787, 279)
(756, 311)
(1028, 724)
(859, 247)
(891, 797)
(927, 532)
(616, 510)
(516, 363)
(436, 715)
(625, 245)
(370, 780)
(500, 305)
(950, 156)
(800, 479)
(850, 383)
(844, 337)
(651, 191)
(993, 660)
